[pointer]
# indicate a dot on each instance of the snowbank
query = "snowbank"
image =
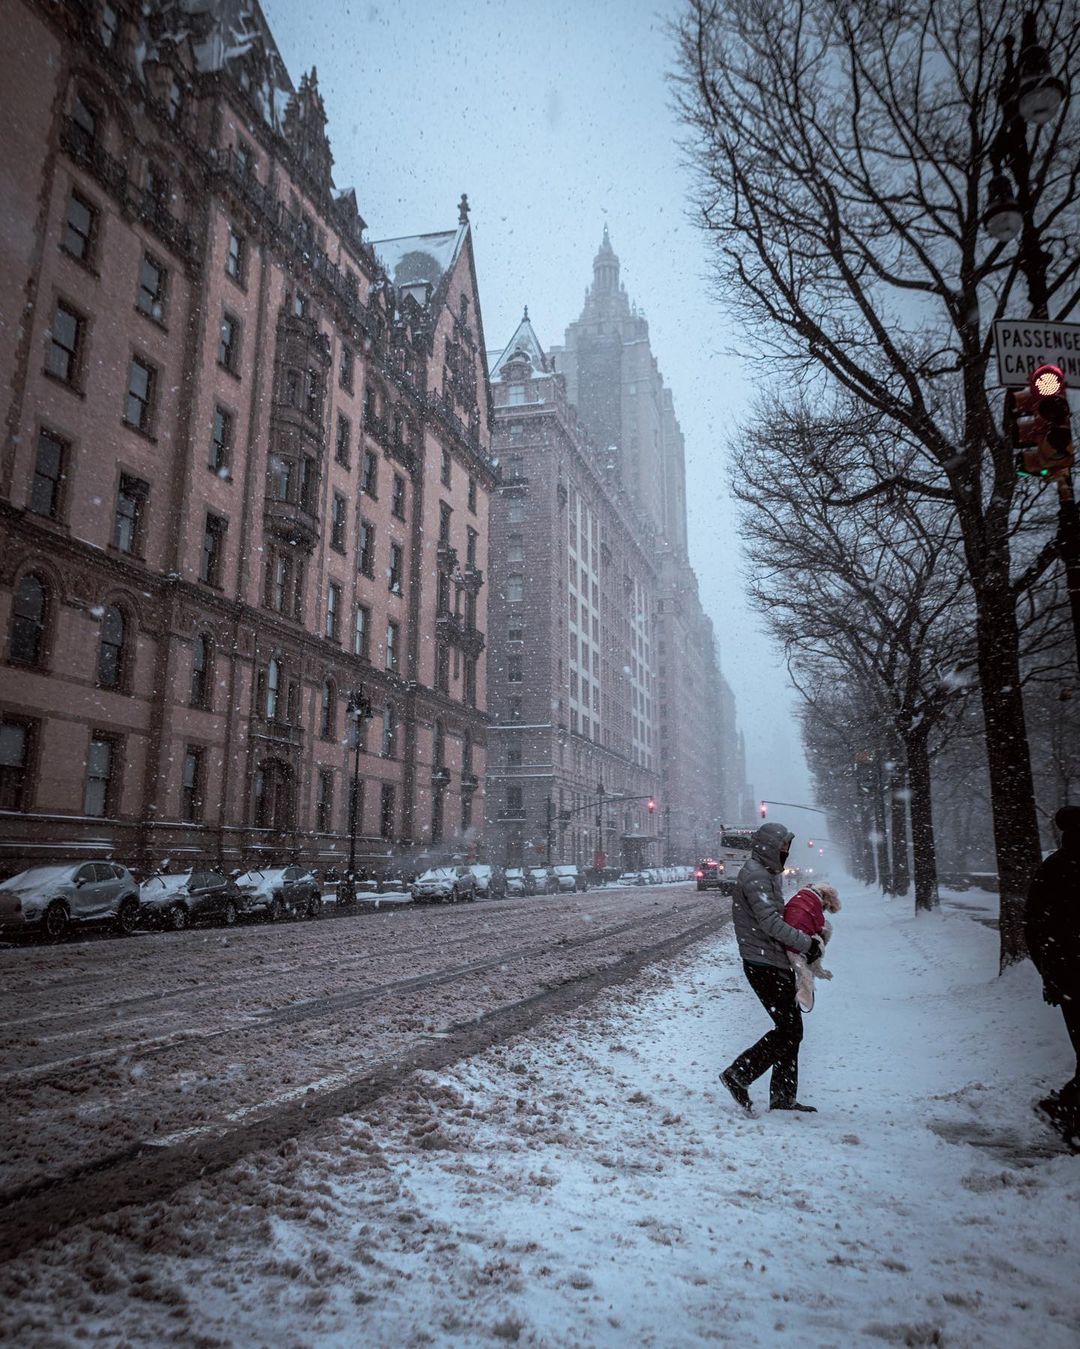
(595, 1188)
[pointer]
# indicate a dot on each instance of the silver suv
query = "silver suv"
(51, 899)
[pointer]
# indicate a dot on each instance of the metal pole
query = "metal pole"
(355, 796)
(1069, 543)
(1033, 261)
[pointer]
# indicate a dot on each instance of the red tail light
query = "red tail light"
(698, 875)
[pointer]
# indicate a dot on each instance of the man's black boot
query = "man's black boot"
(739, 1094)
(796, 1105)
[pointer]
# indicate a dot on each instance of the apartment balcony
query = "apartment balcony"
(446, 558)
(292, 522)
(282, 733)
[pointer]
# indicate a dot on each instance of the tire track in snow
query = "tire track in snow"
(151, 1170)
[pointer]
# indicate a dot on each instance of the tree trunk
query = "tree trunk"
(922, 824)
(901, 870)
(1012, 791)
(884, 870)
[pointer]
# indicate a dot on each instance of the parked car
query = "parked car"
(519, 882)
(276, 892)
(709, 874)
(445, 885)
(571, 878)
(189, 897)
(490, 881)
(50, 899)
(631, 878)
(545, 880)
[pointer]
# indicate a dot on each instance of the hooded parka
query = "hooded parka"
(758, 904)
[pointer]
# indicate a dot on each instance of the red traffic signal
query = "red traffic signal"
(764, 810)
(1039, 417)
(651, 805)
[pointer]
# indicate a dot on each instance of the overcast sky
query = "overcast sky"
(555, 119)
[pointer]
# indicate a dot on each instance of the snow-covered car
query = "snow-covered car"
(490, 881)
(50, 899)
(631, 878)
(277, 892)
(571, 878)
(444, 885)
(196, 896)
(545, 880)
(519, 882)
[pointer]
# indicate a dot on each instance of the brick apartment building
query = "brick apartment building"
(613, 380)
(572, 676)
(246, 465)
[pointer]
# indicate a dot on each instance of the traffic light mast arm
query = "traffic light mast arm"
(794, 805)
(606, 798)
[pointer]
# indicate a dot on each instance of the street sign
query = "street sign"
(1022, 345)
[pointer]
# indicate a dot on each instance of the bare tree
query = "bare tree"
(842, 152)
(877, 590)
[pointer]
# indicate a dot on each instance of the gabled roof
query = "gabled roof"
(420, 257)
(524, 343)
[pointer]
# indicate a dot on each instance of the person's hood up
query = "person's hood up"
(771, 844)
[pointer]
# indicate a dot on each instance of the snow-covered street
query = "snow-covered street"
(587, 1184)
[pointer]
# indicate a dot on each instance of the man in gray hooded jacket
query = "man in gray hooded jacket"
(763, 936)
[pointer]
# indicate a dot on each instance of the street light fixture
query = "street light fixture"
(1040, 92)
(360, 710)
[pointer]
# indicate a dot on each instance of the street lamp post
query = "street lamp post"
(1030, 93)
(360, 710)
(600, 859)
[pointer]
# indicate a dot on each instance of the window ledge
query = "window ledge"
(139, 431)
(160, 324)
(63, 383)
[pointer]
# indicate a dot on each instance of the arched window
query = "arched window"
(31, 611)
(200, 671)
(110, 671)
(328, 718)
(273, 688)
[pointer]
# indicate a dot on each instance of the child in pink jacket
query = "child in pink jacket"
(806, 911)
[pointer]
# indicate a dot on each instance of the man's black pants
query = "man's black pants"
(778, 1049)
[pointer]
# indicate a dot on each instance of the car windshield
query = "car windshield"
(164, 884)
(35, 876)
(260, 879)
(514, 873)
(566, 870)
(437, 874)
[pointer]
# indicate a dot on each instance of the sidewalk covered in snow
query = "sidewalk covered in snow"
(591, 1184)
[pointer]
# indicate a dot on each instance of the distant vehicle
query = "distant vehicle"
(735, 848)
(278, 892)
(631, 878)
(710, 874)
(545, 881)
(519, 882)
(445, 885)
(50, 899)
(490, 881)
(190, 897)
(571, 877)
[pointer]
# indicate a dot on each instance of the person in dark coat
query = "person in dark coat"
(1053, 938)
(764, 941)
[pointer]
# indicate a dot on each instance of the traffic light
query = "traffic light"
(764, 810)
(652, 806)
(809, 842)
(1039, 417)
